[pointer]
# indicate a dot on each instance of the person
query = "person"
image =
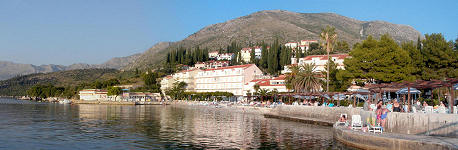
(343, 119)
(382, 113)
(425, 104)
(418, 105)
(378, 112)
(442, 104)
(396, 106)
(367, 106)
(389, 105)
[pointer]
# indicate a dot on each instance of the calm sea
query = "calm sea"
(30, 125)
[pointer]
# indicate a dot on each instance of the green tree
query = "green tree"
(150, 79)
(339, 80)
(177, 91)
(328, 36)
(114, 91)
(304, 79)
(264, 56)
(252, 56)
(342, 47)
(382, 60)
(415, 56)
(440, 60)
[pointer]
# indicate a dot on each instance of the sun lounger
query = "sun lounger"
(429, 109)
(454, 110)
(356, 122)
(339, 122)
(414, 110)
(375, 129)
(442, 110)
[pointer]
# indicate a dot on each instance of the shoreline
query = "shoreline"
(358, 139)
(324, 116)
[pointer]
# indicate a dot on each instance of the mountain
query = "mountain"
(18, 85)
(272, 24)
(9, 69)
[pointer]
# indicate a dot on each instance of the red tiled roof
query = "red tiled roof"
(97, 90)
(189, 70)
(325, 57)
(246, 48)
(231, 67)
(265, 82)
(310, 40)
(281, 77)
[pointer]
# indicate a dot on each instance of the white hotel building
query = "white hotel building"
(226, 79)
(320, 62)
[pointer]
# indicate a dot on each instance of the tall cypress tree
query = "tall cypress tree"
(252, 55)
(264, 56)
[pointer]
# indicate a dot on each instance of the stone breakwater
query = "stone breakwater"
(405, 130)
(404, 123)
(392, 141)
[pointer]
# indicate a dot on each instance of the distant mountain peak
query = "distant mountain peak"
(268, 25)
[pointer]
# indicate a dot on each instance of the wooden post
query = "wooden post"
(354, 101)
(451, 98)
(438, 94)
(404, 99)
(338, 99)
(322, 100)
(408, 98)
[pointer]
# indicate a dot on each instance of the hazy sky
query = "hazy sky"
(93, 31)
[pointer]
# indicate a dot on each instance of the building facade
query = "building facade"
(320, 62)
(186, 76)
(272, 84)
(213, 54)
(226, 79)
(225, 56)
(211, 64)
(141, 96)
(93, 94)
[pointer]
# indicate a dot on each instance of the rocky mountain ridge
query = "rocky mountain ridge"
(283, 25)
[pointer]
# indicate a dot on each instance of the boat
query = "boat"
(65, 101)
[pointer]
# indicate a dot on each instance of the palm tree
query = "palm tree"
(290, 76)
(306, 79)
(328, 36)
(262, 93)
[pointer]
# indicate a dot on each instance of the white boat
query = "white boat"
(65, 101)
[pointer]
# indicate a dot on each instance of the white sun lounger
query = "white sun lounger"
(356, 122)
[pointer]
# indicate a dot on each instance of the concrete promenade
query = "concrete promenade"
(392, 141)
(403, 130)
(102, 102)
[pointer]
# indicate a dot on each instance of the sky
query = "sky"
(93, 31)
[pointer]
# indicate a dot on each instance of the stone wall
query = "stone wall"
(423, 124)
(405, 123)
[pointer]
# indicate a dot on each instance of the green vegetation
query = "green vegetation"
(382, 60)
(177, 91)
(328, 36)
(64, 83)
(205, 96)
(339, 79)
(303, 79)
(114, 91)
(385, 61)
(187, 56)
(439, 58)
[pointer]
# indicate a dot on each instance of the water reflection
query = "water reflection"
(54, 126)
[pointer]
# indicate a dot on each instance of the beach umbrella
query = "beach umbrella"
(405, 91)
(339, 97)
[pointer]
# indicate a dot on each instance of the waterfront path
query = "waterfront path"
(390, 141)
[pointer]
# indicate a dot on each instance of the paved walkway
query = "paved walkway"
(395, 140)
